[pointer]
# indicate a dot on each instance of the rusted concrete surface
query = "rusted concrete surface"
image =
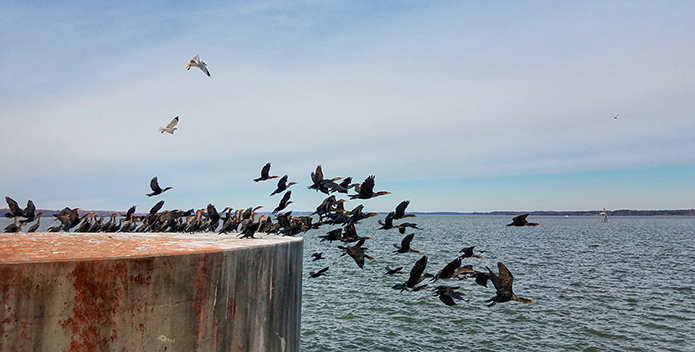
(149, 292)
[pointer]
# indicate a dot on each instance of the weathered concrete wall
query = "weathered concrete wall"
(153, 292)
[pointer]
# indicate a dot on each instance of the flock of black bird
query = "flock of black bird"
(247, 221)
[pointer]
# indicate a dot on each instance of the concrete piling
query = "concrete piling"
(149, 292)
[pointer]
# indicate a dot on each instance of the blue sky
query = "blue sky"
(456, 106)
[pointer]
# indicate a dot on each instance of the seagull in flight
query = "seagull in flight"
(171, 127)
(616, 116)
(197, 62)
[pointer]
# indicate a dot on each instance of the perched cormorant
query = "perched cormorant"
(156, 190)
(36, 225)
(503, 283)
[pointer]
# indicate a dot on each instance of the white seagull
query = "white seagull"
(171, 127)
(195, 61)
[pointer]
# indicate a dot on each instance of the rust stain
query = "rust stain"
(98, 294)
(201, 280)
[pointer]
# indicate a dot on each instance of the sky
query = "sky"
(453, 105)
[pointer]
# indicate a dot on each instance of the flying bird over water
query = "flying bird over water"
(468, 253)
(416, 275)
(447, 294)
(397, 270)
(156, 190)
(265, 174)
(171, 127)
(366, 190)
(405, 245)
(503, 283)
(400, 210)
(317, 256)
(197, 62)
(520, 220)
(318, 273)
(357, 253)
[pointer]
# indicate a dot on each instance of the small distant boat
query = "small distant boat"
(604, 215)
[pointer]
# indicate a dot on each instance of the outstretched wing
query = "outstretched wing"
(405, 243)
(154, 185)
(14, 207)
(400, 209)
(173, 123)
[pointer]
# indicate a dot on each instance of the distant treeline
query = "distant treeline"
(621, 212)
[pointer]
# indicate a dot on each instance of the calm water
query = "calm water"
(625, 285)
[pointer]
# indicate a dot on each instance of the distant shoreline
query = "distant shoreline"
(621, 212)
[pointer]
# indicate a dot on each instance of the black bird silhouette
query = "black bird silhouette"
(503, 283)
(405, 245)
(366, 190)
(15, 210)
(318, 273)
(252, 228)
(400, 210)
(387, 223)
(481, 278)
(520, 220)
(449, 270)
(416, 275)
(397, 270)
(447, 294)
(156, 190)
(284, 202)
(333, 235)
(468, 253)
(317, 256)
(282, 185)
(265, 174)
(357, 253)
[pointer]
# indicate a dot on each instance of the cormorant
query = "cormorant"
(397, 270)
(282, 185)
(156, 190)
(284, 202)
(405, 245)
(503, 283)
(318, 273)
(265, 174)
(520, 220)
(447, 294)
(366, 190)
(400, 210)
